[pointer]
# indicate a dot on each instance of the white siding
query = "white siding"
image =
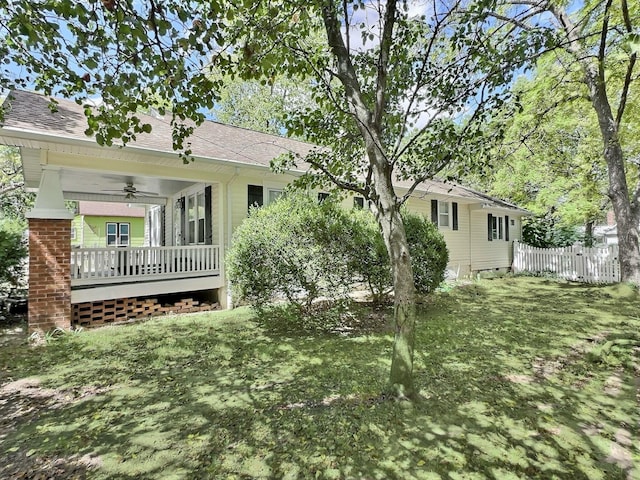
(495, 254)
(457, 240)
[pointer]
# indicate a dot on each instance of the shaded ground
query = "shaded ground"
(519, 378)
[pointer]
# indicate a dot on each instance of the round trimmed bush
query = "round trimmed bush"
(292, 249)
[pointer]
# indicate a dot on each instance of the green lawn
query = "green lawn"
(519, 378)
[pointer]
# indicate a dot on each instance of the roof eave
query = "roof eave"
(19, 133)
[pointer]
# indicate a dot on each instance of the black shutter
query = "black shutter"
(506, 227)
(208, 227)
(434, 211)
(490, 227)
(183, 220)
(255, 196)
(163, 225)
(454, 212)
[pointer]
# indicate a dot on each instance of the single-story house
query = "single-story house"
(192, 213)
(103, 224)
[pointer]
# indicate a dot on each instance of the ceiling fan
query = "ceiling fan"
(130, 192)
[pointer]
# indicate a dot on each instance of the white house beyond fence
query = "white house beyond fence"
(576, 263)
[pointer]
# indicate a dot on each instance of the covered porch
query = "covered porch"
(181, 254)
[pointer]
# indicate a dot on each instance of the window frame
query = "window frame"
(497, 227)
(278, 193)
(196, 223)
(446, 214)
(451, 214)
(119, 234)
(255, 196)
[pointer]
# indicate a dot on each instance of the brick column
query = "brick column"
(49, 274)
(49, 256)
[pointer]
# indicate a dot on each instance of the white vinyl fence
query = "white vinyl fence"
(576, 263)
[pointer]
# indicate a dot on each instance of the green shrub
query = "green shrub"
(370, 260)
(300, 250)
(13, 252)
(429, 254)
(291, 248)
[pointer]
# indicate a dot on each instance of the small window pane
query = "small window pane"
(274, 194)
(124, 240)
(200, 205)
(124, 229)
(201, 230)
(443, 214)
(191, 207)
(112, 228)
(111, 239)
(358, 202)
(192, 232)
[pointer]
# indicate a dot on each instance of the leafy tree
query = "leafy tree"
(549, 161)
(544, 232)
(13, 251)
(368, 259)
(400, 93)
(597, 46)
(14, 201)
(262, 106)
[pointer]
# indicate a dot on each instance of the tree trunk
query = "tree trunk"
(588, 234)
(379, 187)
(595, 80)
(627, 223)
(395, 238)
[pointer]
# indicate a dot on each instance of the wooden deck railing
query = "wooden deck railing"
(91, 266)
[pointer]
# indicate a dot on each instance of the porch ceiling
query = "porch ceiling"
(90, 185)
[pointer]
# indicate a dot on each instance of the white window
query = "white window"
(73, 232)
(118, 234)
(443, 214)
(273, 195)
(496, 228)
(196, 218)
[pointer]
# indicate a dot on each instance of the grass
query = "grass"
(519, 378)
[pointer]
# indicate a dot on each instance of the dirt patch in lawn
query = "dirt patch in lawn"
(22, 402)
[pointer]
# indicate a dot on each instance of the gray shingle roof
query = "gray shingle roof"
(29, 112)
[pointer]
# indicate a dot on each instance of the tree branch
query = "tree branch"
(383, 61)
(630, 66)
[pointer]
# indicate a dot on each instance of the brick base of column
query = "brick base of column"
(49, 274)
